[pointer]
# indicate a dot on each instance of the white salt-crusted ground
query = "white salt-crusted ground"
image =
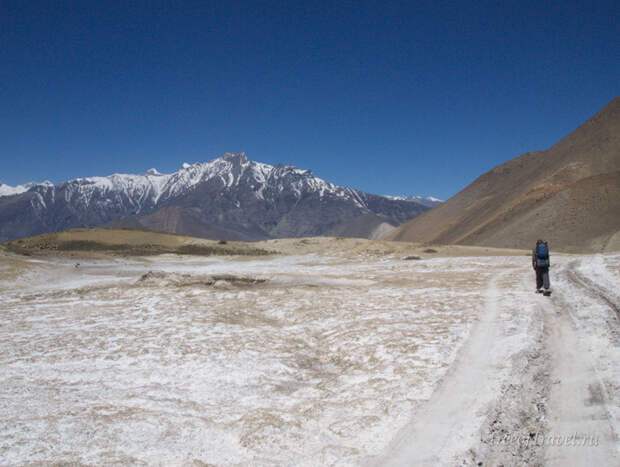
(324, 363)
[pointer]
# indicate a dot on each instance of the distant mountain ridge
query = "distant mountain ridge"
(429, 201)
(229, 197)
(568, 194)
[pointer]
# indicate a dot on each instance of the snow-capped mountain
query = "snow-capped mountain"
(229, 197)
(6, 190)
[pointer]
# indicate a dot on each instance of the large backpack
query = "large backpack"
(542, 255)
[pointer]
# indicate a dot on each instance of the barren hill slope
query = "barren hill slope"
(370, 226)
(568, 194)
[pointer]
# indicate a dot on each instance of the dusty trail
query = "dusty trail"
(552, 400)
(447, 428)
(583, 428)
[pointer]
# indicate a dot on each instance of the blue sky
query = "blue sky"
(406, 97)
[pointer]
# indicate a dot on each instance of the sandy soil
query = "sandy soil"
(331, 352)
(361, 248)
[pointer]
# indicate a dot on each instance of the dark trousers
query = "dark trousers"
(542, 278)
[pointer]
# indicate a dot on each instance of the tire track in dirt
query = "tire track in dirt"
(448, 425)
(517, 418)
(592, 289)
(582, 429)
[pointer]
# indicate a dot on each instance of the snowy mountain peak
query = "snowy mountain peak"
(185, 165)
(153, 171)
(7, 190)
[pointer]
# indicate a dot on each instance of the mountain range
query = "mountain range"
(228, 198)
(568, 194)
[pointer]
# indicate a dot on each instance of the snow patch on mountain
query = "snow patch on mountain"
(425, 200)
(414, 198)
(138, 190)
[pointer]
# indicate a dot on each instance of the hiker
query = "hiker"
(541, 263)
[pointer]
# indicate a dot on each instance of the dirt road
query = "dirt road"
(584, 401)
(549, 397)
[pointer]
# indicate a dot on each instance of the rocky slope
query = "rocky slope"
(229, 198)
(568, 194)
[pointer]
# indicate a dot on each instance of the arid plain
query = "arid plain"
(318, 351)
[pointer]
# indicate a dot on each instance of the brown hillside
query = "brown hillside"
(568, 194)
(371, 226)
(177, 220)
(86, 243)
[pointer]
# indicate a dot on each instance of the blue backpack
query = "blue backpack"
(542, 255)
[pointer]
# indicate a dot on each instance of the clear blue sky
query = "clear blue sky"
(407, 97)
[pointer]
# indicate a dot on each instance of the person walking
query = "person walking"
(541, 264)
